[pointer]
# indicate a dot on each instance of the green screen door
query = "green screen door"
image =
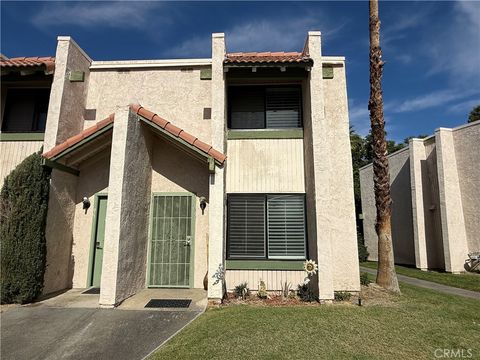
(101, 213)
(171, 241)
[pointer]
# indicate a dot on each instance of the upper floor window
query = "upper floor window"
(25, 110)
(265, 107)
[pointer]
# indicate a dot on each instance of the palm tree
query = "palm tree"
(386, 276)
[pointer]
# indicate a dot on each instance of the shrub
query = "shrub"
(362, 249)
(242, 291)
(342, 295)
(364, 279)
(23, 212)
(305, 293)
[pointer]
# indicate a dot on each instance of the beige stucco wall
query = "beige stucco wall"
(126, 226)
(175, 171)
(265, 165)
(93, 179)
(13, 153)
(274, 279)
(176, 94)
(467, 140)
(402, 217)
(342, 224)
(67, 99)
(59, 232)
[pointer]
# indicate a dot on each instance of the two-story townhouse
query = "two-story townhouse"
(173, 173)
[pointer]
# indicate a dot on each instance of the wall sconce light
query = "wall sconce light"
(86, 204)
(203, 204)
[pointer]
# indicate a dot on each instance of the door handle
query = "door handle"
(187, 242)
(98, 245)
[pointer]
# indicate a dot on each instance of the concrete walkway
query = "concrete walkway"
(72, 326)
(430, 285)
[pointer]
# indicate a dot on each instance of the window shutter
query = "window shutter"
(286, 227)
(283, 107)
(246, 224)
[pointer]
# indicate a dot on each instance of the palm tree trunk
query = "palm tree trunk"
(386, 276)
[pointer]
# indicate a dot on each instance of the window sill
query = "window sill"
(33, 136)
(265, 134)
(264, 264)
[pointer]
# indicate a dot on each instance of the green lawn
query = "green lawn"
(412, 327)
(462, 281)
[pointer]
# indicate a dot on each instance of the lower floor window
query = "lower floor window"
(266, 226)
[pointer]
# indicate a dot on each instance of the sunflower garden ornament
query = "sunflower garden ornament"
(310, 267)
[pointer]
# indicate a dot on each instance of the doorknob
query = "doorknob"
(187, 242)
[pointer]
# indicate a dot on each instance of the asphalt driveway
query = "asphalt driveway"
(37, 332)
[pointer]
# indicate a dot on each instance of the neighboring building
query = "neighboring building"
(240, 162)
(25, 90)
(435, 186)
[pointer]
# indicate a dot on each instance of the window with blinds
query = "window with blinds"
(262, 226)
(246, 227)
(261, 107)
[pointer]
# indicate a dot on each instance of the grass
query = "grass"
(462, 281)
(413, 326)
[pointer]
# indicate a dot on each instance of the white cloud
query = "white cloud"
(118, 14)
(433, 99)
(262, 35)
(455, 49)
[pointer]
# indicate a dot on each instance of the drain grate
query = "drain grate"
(93, 290)
(168, 303)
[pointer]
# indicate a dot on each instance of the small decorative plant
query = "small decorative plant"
(364, 279)
(242, 291)
(342, 295)
(305, 293)
(304, 290)
(286, 288)
(262, 290)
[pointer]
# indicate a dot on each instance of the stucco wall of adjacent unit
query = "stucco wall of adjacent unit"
(265, 166)
(93, 179)
(274, 279)
(402, 217)
(342, 225)
(467, 140)
(175, 171)
(176, 94)
(13, 153)
(59, 232)
(431, 205)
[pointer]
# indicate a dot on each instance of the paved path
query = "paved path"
(431, 285)
(40, 332)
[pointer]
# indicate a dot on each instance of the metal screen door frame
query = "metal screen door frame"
(192, 240)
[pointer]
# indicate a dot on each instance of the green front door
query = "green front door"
(98, 240)
(171, 240)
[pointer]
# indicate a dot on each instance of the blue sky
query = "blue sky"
(431, 49)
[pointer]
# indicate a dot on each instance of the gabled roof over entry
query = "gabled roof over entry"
(104, 127)
(178, 134)
(47, 64)
(81, 138)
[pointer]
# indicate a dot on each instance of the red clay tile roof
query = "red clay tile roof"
(177, 132)
(48, 63)
(267, 57)
(79, 137)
